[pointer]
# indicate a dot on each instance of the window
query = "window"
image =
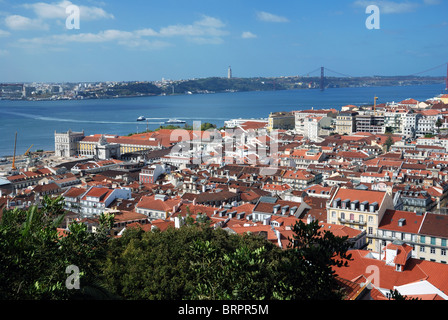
(443, 252)
(433, 250)
(444, 242)
(361, 218)
(370, 230)
(342, 215)
(433, 240)
(422, 239)
(422, 248)
(333, 214)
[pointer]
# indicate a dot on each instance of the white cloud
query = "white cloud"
(3, 52)
(4, 33)
(124, 38)
(389, 7)
(148, 32)
(56, 10)
(248, 35)
(16, 22)
(269, 17)
(205, 28)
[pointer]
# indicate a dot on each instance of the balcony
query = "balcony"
(358, 223)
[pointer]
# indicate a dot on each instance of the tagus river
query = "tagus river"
(36, 121)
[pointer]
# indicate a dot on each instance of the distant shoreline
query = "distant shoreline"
(223, 85)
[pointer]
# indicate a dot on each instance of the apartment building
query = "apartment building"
(346, 122)
(370, 122)
(97, 199)
(281, 120)
(157, 206)
(426, 233)
(361, 209)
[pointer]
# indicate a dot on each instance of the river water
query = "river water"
(36, 121)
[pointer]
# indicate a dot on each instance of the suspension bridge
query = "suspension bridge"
(323, 71)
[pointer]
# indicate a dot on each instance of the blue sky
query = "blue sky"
(180, 39)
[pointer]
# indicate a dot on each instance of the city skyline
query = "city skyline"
(175, 40)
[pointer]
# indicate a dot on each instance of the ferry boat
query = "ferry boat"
(141, 118)
(174, 121)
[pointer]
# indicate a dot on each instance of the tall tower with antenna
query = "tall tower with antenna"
(229, 73)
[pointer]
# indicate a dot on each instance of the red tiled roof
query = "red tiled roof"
(98, 192)
(149, 202)
(254, 125)
(361, 195)
(403, 252)
(409, 101)
(390, 221)
(298, 175)
(126, 215)
(275, 187)
(256, 228)
(435, 225)
(429, 112)
(389, 278)
(301, 153)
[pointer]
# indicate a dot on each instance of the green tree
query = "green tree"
(241, 274)
(106, 220)
(306, 271)
(439, 123)
(388, 143)
(192, 262)
(197, 262)
(34, 257)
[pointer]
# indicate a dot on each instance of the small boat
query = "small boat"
(174, 121)
(141, 118)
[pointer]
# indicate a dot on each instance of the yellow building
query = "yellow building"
(346, 122)
(88, 145)
(360, 209)
(281, 120)
(444, 98)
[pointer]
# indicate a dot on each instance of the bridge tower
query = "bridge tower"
(322, 82)
(446, 79)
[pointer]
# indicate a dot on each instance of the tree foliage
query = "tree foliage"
(306, 272)
(388, 143)
(34, 257)
(193, 262)
(196, 262)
